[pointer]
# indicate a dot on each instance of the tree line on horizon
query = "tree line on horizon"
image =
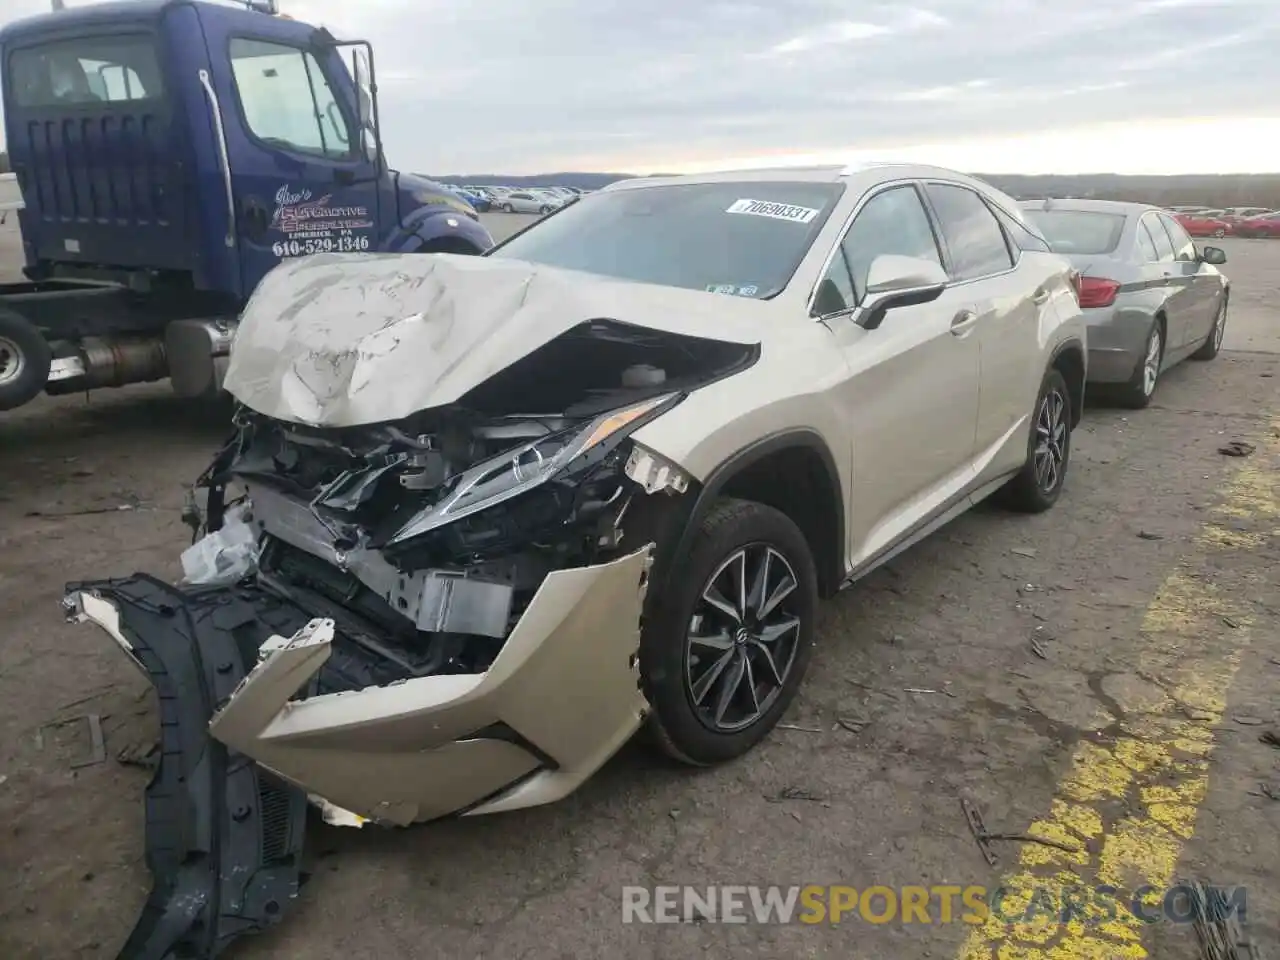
(1210, 190)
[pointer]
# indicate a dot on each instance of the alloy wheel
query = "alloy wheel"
(12, 361)
(1151, 363)
(742, 639)
(1051, 440)
(1219, 327)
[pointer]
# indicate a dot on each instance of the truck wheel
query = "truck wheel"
(25, 359)
(726, 649)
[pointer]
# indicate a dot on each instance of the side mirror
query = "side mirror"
(1214, 256)
(895, 281)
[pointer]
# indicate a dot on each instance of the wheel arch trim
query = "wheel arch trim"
(830, 568)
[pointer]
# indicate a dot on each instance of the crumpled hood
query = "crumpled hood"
(347, 339)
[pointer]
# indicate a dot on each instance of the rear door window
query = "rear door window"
(1146, 244)
(1164, 246)
(84, 71)
(974, 237)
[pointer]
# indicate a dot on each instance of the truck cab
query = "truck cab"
(171, 152)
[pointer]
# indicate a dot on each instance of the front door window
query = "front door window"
(286, 99)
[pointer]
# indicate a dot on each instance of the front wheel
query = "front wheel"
(1037, 486)
(508, 208)
(1220, 233)
(726, 648)
(1213, 343)
(544, 210)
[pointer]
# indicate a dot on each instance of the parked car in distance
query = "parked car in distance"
(1262, 225)
(478, 200)
(1203, 224)
(1150, 298)
(502, 546)
(1235, 214)
(527, 201)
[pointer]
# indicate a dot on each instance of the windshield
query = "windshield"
(744, 239)
(1079, 231)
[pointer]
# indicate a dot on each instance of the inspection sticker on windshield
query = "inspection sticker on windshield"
(778, 211)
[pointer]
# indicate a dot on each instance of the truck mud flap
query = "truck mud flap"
(223, 837)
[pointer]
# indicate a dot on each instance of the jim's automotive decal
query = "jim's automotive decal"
(313, 225)
(778, 211)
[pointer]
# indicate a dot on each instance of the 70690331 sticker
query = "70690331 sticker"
(776, 211)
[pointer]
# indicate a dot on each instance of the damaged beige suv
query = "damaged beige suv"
(483, 518)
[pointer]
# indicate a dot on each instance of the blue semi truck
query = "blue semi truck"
(170, 153)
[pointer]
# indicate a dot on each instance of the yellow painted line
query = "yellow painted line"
(1128, 807)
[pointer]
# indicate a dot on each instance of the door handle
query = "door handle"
(254, 217)
(963, 322)
(1040, 297)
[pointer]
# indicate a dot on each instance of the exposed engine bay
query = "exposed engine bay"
(424, 539)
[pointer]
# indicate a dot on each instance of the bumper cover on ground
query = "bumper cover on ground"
(233, 670)
(224, 838)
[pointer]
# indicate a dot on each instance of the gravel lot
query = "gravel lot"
(1100, 674)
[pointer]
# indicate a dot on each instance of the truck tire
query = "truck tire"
(25, 359)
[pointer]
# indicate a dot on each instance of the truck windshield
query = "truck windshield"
(85, 70)
(740, 238)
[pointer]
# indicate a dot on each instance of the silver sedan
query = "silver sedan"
(1150, 297)
(529, 201)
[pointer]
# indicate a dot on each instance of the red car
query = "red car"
(1267, 225)
(1199, 225)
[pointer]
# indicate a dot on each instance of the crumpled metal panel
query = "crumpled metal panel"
(348, 339)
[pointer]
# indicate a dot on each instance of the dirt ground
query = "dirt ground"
(1101, 674)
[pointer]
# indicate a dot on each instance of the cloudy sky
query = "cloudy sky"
(521, 86)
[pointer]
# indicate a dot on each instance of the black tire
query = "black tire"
(544, 209)
(1213, 343)
(667, 668)
(25, 359)
(508, 208)
(1136, 393)
(1220, 233)
(1029, 490)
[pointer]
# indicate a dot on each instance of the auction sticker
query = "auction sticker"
(778, 211)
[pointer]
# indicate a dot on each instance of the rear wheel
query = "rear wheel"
(25, 359)
(1220, 233)
(1213, 343)
(729, 643)
(1137, 392)
(544, 209)
(1037, 486)
(508, 208)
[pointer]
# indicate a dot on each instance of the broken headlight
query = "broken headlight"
(517, 471)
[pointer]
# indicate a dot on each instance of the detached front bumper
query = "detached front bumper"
(559, 699)
(224, 837)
